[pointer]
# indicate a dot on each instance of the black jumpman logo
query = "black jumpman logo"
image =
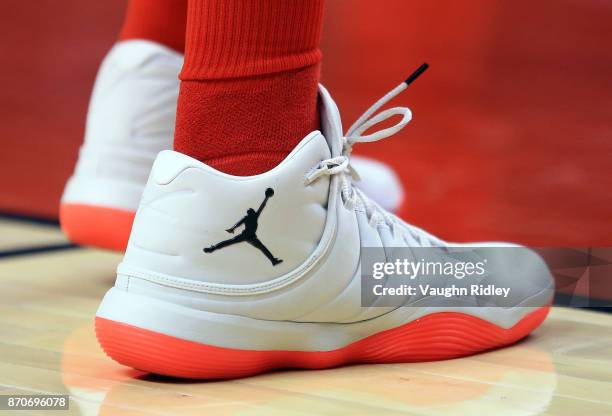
(249, 233)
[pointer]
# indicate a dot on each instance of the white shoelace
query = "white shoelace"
(341, 165)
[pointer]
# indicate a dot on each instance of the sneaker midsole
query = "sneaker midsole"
(240, 332)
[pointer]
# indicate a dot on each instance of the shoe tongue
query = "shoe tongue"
(331, 123)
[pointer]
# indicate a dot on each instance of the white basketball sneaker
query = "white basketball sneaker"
(228, 276)
(130, 120)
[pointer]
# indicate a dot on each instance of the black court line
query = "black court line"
(26, 251)
(28, 219)
(583, 302)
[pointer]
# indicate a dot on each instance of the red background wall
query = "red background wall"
(512, 130)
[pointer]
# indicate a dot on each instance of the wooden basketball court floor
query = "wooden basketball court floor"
(50, 291)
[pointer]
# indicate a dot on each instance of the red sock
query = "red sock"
(249, 83)
(161, 21)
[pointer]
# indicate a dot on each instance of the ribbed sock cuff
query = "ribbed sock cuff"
(243, 38)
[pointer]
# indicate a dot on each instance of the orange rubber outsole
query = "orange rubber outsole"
(437, 336)
(97, 226)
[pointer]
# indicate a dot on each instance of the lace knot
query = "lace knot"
(327, 167)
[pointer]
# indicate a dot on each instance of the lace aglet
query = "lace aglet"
(416, 74)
